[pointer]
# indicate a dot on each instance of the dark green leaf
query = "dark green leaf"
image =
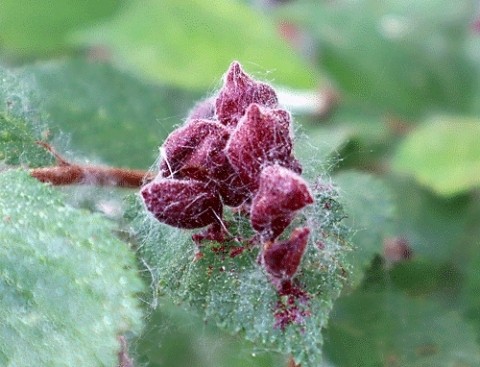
(67, 285)
(371, 211)
(389, 329)
(403, 57)
(110, 115)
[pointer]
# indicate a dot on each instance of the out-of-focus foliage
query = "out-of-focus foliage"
(401, 145)
(173, 42)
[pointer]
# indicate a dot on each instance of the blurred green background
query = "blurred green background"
(386, 95)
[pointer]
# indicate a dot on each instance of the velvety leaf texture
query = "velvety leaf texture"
(21, 123)
(233, 290)
(67, 284)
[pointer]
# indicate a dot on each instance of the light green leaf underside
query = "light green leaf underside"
(443, 155)
(390, 329)
(67, 284)
(40, 28)
(190, 43)
(236, 293)
(21, 121)
(371, 210)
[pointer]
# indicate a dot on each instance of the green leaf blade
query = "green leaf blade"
(190, 43)
(443, 155)
(68, 285)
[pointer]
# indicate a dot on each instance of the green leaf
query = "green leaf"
(425, 220)
(371, 211)
(21, 121)
(443, 155)
(189, 43)
(389, 329)
(39, 28)
(110, 115)
(67, 285)
(235, 292)
(403, 57)
(176, 338)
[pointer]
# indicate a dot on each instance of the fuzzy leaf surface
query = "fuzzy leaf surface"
(190, 43)
(67, 284)
(234, 291)
(21, 121)
(443, 155)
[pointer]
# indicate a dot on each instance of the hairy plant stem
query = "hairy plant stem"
(291, 363)
(74, 174)
(66, 173)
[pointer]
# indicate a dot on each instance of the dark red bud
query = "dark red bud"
(261, 138)
(282, 259)
(182, 204)
(238, 92)
(281, 193)
(195, 150)
(203, 110)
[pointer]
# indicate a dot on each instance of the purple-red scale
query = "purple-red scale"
(238, 92)
(281, 259)
(262, 137)
(181, 203)
(280, 195)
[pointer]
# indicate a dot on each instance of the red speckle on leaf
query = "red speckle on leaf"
(262, 137)
(281, 193)
(281, 259)
(182, 204)
(238, 92)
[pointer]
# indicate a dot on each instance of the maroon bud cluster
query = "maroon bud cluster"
(235, 150)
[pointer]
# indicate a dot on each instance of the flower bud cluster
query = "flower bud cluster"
(235, 150)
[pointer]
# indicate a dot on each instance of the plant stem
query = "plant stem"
(73, 174)
(291, 363)
(66, 173)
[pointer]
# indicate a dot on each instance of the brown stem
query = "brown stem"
(291, 363)
(73, 174)
(66, 173)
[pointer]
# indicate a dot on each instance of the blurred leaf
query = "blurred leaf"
(235, 292)
(371, 211)
(67, 284)
(389, 329)
(39, 28)
(433, 226)
(403, 57)
(443, 155)
(177, 338)
(21, 123)
(109, 114)
(190, 43)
